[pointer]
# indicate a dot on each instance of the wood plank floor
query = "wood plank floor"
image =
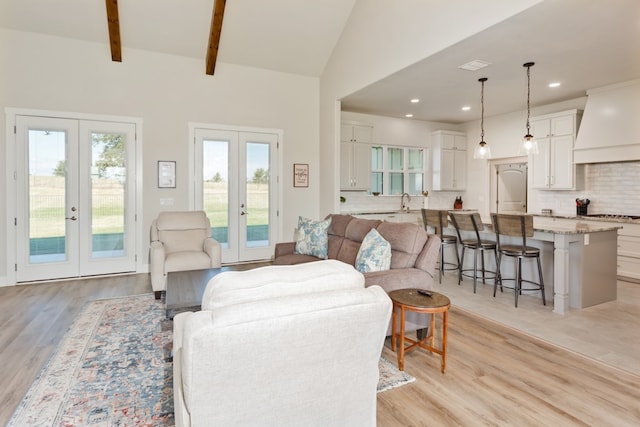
(495, 375)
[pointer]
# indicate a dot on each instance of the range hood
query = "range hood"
(610, 128)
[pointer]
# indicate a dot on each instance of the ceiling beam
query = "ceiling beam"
(214, 35)
(114, 30)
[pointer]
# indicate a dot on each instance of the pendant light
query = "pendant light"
(482, 150)
(529, 145)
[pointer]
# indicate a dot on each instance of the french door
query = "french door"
(75, 197)
(235, 184)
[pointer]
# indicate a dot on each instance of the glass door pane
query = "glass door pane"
(257, 194)
(47, 196)
(108, 194)
(215, 187)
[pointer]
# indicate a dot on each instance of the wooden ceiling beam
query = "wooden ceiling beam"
(214, 35)
(114, 30)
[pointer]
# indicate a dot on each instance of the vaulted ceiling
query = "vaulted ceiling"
(580, 43)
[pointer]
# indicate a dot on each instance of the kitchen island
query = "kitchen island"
(578, 261)
(584, 262)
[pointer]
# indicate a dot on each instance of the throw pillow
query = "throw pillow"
(312, 237)
(374, 253)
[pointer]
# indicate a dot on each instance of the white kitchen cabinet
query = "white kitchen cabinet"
(449, 161)
(629, 252)
(355, 157)
(553, 167)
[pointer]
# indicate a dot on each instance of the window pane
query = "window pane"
(215, 188)
(376, 182)
(415, 184)
(415, 159)
(396, 183)
(395, 158)
(376, 158)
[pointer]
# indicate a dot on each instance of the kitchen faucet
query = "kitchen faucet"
(402, 205)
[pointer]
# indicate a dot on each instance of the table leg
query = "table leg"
(432, 330)
(445, 319)
(401, 349)
(393, 328)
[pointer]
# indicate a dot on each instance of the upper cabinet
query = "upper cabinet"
(355, 156)
(553, 167)
(449, 161)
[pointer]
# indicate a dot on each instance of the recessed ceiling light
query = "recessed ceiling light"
(408, 115)
(474, 65)
(554, 84)
(415, 100)
(466, 108)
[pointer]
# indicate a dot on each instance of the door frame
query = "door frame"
(193, 185)
(493, 178)
(11, 174)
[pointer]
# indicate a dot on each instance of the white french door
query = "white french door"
(75, 197)
(235, 184)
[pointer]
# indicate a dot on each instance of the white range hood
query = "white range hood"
(610, 127)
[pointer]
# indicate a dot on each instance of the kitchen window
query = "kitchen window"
(396, 170)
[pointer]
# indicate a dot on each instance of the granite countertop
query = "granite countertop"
(577, 228)
(590, 218)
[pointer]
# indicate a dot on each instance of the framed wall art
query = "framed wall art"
(166, 174)
(300, 175)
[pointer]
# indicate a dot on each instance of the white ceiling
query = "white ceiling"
(581, 43)
(291, 36)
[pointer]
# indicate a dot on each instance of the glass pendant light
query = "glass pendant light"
(528, 145)
(482, 150)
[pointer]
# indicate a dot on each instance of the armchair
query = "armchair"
(294, 345)
(180, 241)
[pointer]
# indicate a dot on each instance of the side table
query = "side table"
(410, 300)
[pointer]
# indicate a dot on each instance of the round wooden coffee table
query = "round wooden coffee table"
(410, 300)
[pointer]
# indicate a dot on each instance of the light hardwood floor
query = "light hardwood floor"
(495, 375)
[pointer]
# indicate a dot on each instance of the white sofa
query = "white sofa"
(180, 241)
(281, 346)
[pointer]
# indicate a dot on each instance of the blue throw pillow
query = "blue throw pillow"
(312, 237)
(374, 253)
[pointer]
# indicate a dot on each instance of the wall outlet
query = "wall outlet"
(166, 201)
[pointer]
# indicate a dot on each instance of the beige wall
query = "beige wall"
(167, 92)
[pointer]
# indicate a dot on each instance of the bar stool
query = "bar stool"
(520, 226)
(471, 222)
(437, 220)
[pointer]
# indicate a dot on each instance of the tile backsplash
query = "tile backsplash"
(612, 188)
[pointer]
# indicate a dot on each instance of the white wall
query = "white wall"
(382, 37)
(167, 92)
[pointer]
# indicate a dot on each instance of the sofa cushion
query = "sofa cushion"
(336, 233)
(406, 239)
(355, 232)
(374, 253)
(312, 237)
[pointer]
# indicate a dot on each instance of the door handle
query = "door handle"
(73, 218)
(244, 213)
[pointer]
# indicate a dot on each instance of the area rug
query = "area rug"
(113, 368)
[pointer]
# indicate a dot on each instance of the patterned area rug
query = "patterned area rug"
(113, 368)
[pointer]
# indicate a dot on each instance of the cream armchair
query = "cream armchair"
(294, 345)
(180, 241)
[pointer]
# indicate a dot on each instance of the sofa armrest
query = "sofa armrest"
(214, 250)
(428, 257)
(284, 248)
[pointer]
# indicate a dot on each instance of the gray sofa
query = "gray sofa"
(414, 254)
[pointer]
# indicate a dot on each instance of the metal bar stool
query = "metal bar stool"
(519, 226)
(471, 222)
(437, 220)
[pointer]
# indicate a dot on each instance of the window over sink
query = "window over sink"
(396, 170)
